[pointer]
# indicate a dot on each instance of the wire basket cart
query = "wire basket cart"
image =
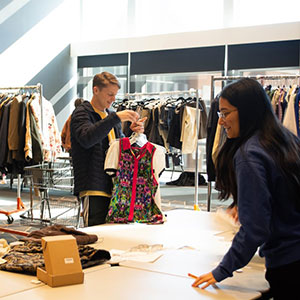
(48, 176)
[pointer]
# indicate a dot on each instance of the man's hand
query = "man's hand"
(128, 115)
(138, 126)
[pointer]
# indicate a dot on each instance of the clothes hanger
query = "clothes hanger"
(138, 138)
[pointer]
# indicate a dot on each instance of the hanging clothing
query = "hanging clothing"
(220, 139)
(291, 116)
(189, 130)
(50, 136)
(175, 129)
(289, 120)
(13, 112)
(158, 164)
(23, 143)
(202, 120)
(164, 119)
(297, 112)
(33, 145)
(22, 128)
(166, 112)
(13, 137)
(134, 169)
(183, 128)
(16, 135)
(154, 134)
(4, 132)
(211, 131)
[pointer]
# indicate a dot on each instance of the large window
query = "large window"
(257, 12)
(102, 20)
(169, 16)
(86, 75)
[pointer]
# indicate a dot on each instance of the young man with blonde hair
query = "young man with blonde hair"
(93, 126)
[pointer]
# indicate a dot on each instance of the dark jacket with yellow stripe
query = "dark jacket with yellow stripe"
(89, 146)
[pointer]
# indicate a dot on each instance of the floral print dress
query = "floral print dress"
(134, 186)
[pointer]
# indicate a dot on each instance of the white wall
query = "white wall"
(35, 48)
(241, 35)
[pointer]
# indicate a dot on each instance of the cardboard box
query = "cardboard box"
(62, 261)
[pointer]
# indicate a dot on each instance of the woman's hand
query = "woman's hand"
(208, 279)
(233, 212)
(138, 126)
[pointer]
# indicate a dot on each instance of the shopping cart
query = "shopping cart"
(52, 210)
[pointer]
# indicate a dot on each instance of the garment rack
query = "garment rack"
(190, 92)
(20, 204)
(231, 78)
(38, 87)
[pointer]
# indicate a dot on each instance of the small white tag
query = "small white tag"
(69, 260)
(35, 281)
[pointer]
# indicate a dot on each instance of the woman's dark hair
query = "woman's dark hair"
(256, 115)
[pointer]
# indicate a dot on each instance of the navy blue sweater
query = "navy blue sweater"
(267, 213)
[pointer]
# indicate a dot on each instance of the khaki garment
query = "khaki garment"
(13, 137)
(220, 138)
(188, 136)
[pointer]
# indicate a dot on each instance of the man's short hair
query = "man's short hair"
(103, 79)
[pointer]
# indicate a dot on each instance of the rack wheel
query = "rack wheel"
(10, 219)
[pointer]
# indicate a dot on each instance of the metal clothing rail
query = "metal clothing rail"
(230, 78)
(257, 77)
(38, 87)
(191, 91)
(22, 87)
(20, 204)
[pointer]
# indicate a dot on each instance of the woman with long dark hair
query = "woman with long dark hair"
(259, 166)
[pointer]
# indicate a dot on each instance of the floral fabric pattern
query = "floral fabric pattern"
(134, 187)
(50, 136)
